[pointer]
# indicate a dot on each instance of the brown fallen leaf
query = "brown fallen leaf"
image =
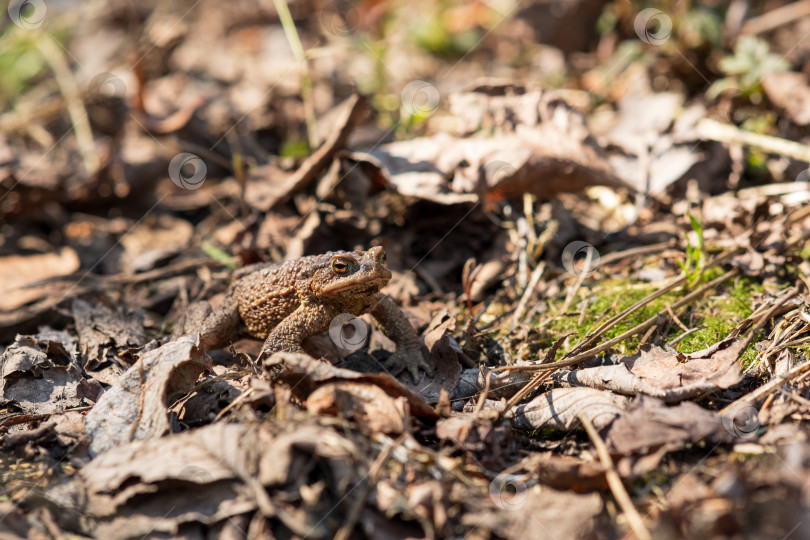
(544, 147)
(364, 403)
(54, 436)
(137, 406)
(568, 472)
(103, 330)
(305, 374)
(649, 427)
(40, 377)
(524, 512)
(156, 485)
(443, 353)
(558, 409)
(662, 374)
(488, 442)
(17, 271)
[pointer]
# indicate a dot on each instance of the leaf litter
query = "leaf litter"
(608, 276)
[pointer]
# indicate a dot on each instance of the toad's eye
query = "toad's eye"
(381, 258)
(340, 266)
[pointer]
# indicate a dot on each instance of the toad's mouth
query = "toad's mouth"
(366, 287)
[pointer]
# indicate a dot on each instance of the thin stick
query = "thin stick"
(675, 318)
(537, 273)
(633, 252)
(775, 18)
(615, 482)
(641, 327)
(573, 291)
(536, 381)
(594, 335)
(725, 133)
(769, 387)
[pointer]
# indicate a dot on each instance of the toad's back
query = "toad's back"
(268, 296)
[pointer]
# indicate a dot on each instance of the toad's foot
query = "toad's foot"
(408, 359)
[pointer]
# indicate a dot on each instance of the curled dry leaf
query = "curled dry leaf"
(544, 148)
(207, 476)
(154, 486)
(59, 433)
(558, 409)
(662, 374)
(305, 374)
(443, 353)
(366, 404)
(137, 406)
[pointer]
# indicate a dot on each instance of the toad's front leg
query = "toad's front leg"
(307, 320)
(396, 326)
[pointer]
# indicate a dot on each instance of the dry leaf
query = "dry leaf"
(137, 406)
(17, 271)
(558, 409)
(39, 377)
(364, 403)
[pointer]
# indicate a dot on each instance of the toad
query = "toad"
(285, 303)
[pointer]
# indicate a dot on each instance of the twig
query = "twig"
(725, 133)
(530, 387)
(675, 317)
(615, 482)
(640, 328)
(633, 252)
(573, 291)
(775, 18)
(686, 334)
(595, 334)
(537, 273)
(483, 397)
(771, 386)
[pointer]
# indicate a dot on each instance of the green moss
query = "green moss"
(716, 314)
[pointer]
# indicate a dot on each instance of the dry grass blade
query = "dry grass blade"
(615, 482)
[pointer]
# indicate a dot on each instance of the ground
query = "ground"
(596, 216)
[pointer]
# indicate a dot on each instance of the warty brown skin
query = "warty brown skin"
(283, 304)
